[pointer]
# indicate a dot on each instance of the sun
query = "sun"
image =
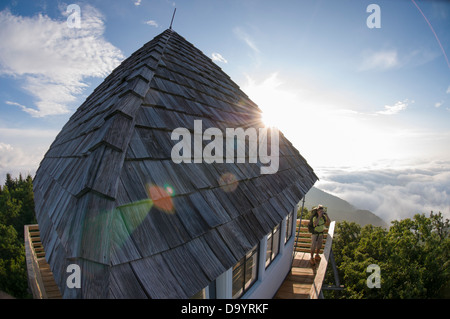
(274, 100)
(269, 120)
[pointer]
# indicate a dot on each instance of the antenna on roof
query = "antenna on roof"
(173, 16)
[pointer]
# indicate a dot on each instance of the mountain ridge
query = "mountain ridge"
(340, 210)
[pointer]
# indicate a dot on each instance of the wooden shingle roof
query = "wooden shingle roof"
(101, 191)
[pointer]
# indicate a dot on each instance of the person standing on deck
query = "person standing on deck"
(320, 220)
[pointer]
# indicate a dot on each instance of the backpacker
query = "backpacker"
(311, 227)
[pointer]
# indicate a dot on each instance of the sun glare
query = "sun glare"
(273, 100)
(269, 120)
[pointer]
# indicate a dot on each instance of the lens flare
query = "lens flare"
(169, 190)
(228, 182)
(161, 197)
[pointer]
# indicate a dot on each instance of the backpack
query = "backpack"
(310, 224)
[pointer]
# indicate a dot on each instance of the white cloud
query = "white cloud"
(172, 3)
(393, 193)
(246, 38)
(5, 147)
(381, 60)
(30, 111)
(15, 134)
(22, 149)
(152, 23)
(137, 2)
(217, 57)
(394, 109)
(448, 90)
(53, 60)
(384, 60)
(438, 104)
(15, 160)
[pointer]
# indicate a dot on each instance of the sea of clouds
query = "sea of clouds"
(392, 192)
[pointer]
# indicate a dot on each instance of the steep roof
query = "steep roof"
(102, 189)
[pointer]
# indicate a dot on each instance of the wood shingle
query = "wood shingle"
(110, 199)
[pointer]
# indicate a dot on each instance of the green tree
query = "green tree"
(10, 209)
(13, 278)
(413, 256)
(16, 210)
(303, 214)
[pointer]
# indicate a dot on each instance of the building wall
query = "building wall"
(270, 279)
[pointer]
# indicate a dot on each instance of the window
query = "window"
(273, 245)
(207, 292)
(289, 221)
(200, 295)
(245, 272)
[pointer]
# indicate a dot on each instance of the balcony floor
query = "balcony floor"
(300, 279)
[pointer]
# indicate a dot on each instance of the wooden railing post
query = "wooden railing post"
(320, 274)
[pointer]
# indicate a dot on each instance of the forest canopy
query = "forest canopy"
(16, 210)
(412, 256)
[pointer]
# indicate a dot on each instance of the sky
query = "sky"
(361, 88)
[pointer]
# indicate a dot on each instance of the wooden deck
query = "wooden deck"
(305, 281)
(40, 277)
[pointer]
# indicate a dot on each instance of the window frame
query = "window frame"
(209, 292)
(271, 255)
(243, 265)
(289, 225)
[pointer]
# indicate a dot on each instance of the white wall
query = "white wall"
(270, 279)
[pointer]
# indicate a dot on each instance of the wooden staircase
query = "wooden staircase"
(303, 238)
(40, 277)
(305, 281)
